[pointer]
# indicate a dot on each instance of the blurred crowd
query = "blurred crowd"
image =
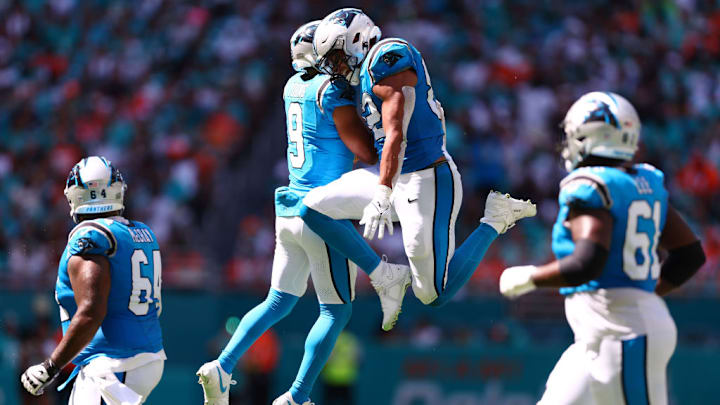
(185, 98)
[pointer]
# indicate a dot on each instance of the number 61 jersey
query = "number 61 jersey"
(637, 200)
(131, 325)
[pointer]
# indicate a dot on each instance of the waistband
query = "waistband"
(435, 164)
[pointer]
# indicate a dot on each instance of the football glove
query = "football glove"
(516, 281)
(36, 378)
(377, 215)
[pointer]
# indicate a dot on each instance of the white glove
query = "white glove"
(377, 213)
(516, 281)
(36, 378)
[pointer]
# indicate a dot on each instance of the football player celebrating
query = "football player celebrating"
(613, 218)
(417, 182)
(108, 291)
(323, 133)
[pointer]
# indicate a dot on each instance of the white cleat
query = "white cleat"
(215, 383)
(287, 399)
(502, 211)
(390, 282)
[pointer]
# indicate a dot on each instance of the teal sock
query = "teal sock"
(276, 306)
(465, 260)
(342, 236)
(318, 346)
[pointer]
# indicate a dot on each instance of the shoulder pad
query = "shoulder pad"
(92, 237)
(388, 57)
(332, 93)
(295, 87)
(585, 189)
(652, 169)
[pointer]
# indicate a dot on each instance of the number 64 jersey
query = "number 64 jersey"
(637, 200)
(131, 325)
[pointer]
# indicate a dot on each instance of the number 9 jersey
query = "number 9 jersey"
(637, 200)
(316, 154)
(131, 325)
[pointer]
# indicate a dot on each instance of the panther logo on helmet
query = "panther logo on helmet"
(343, 40)
(307, 33)
(343, 17)
(602, 113)
(600, 124)
(301, 46)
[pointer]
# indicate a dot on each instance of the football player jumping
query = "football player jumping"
(614, 216)
(323, 133)
(108, 291)
(418, 182)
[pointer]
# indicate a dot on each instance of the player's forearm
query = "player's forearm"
(369, 159)
(390, 162)
(549, 275)
(354, 134)
(81, 331)
(392, 117)
(584, 264)
(364, 150)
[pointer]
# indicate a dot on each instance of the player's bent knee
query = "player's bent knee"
(440, 301)
(423, 284)
(282, 303)
(425, 295)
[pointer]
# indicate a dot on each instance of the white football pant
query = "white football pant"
(300, 253)
(426, 203)
(624, 338)
(103, 381)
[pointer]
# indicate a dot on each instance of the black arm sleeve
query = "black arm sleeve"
(682, 263)
(585, 263)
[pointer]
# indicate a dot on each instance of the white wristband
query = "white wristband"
(382, 192)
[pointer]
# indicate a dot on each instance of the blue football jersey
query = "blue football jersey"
(638, 201)
(425, 136)
(316, 155)
(131, 325)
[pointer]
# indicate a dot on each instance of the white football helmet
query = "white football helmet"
(600, 124)
(301, 46)
(350, 31)
(94, 186)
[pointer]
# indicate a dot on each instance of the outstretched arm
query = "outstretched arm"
(90, 278)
